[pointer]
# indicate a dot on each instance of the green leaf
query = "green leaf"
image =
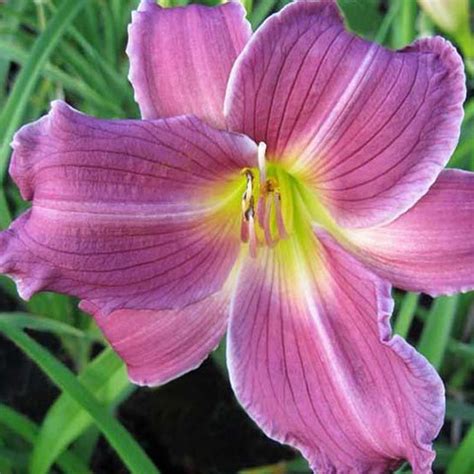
(120, 439)
(119, 83)
(386, 24)
(464, 153)
(52, 306)
(13, 24)
(108, 28)
(444, 454)
(298, 465)
(403, 29)
(437, 329)
(463, 460)
(28, 430)
(87, 443)
(106, 379)
(17, 102)
(8, 287)
(17, 54)
(15, 459)
(260, 11)
(406, 314)
(362, 17)
(461, 349)
(39, 323)
(248, 5)
(459, 410)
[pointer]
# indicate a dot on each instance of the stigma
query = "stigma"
(262, 221)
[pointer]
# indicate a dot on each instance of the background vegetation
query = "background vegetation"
(65, 402)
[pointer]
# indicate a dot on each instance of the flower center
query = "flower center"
(275, 204)
(262, 220)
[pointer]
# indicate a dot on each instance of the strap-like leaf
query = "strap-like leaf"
(120, 439)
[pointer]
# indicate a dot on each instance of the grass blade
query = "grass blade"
(39, 323)
(16, 54)
(459, 410)
(437, 329)
(406, 314)
(260, 11)
(403, 30)
(26, 429)
(120, 439)
(19, 6)
(462, 461)
(15, 106)
(106, 379)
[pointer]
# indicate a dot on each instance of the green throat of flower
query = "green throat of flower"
(278, 205)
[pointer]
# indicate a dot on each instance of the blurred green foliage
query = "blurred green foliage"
(74, 49)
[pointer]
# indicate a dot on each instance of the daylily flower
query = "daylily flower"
(275, 187)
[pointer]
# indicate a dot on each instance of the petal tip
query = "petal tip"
(136, 74)
(160, 346)
(27, 140)
(156, 378)
(10, 255)
(449, 58)
(147, 6)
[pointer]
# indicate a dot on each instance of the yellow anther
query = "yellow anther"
(250, 210)
(271, 185)
(247, 172)
(248, 201)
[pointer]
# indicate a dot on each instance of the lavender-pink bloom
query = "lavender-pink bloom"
(178, 227)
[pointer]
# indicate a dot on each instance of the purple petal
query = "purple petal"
(180, 58)
(429, 248)
(159, 346)
(126, 214)
(369, 128)
(312, 360)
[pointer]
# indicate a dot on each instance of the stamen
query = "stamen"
(268, 212)
(247, 226)
(248, 194)
(244, 231)
(262, 162)
(279, 216)
(252, 236)
(250, 211)
(270, 186)
(267, 224)
(261, 210)
(247, 198)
